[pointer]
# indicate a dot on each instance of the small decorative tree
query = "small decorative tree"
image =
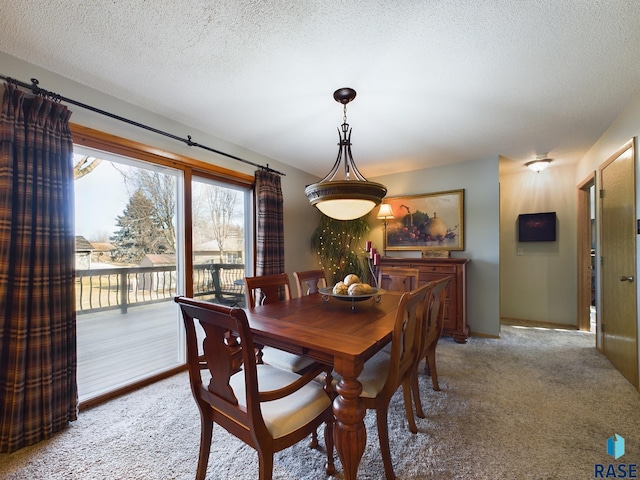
(338, 244)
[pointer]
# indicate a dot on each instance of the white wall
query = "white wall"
(300, 217)
(479, 179)
(540, 283)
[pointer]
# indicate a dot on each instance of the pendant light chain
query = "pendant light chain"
(345, 145)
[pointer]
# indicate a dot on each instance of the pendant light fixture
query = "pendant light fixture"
(354, 196)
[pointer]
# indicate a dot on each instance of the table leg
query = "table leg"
(349, 430)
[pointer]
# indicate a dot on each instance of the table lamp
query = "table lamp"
(384, 214)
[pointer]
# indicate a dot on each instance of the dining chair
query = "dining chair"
(267, 289)
(431, 331)
(401, 279)
(309, 281)
(267, 408)
(384, 373)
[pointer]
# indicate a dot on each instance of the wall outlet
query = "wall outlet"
(519, 251)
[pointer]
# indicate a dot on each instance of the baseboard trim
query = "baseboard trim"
(535, 323)
(92, 402)
(483, 335)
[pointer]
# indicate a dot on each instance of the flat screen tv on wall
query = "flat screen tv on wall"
(537, 227)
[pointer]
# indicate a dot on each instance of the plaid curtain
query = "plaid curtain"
(270, 217)
(38, 391)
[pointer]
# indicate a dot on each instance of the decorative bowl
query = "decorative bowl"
(328, 292)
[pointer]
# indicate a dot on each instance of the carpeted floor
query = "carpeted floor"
(535, 404)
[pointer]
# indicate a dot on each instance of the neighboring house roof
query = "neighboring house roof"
(83, 245)
(230, 244)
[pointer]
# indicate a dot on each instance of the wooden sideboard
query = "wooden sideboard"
(455, 317)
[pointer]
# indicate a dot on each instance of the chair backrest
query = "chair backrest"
(310, 281)
(216, 320)
(405, 341)
(433, 319)
(401, 279)
(267, 289)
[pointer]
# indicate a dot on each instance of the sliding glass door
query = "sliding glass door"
(129, 268)
(221, 246)
(150, 225)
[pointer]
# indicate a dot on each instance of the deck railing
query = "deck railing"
(123, 287)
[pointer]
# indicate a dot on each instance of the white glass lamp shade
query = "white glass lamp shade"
(538, 165)
(345, 209)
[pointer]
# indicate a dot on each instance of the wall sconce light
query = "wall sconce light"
(540, 163)
(384, 214)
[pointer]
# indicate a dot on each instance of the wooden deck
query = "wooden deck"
(116, 350)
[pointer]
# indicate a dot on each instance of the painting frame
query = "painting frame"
(413, 225)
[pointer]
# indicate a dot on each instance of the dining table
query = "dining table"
(339, 332)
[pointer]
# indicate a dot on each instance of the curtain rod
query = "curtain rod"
(36, 90)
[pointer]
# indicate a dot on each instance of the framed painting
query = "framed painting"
(432, 221)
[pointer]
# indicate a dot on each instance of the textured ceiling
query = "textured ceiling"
(437, 81)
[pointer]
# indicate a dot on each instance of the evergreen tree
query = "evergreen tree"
(139, 232)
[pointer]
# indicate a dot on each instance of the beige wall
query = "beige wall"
(625, 127)
(538, 280)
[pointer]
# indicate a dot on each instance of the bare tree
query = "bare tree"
(160, 189)
(221, 204)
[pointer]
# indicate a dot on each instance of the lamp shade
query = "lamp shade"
(345, 209)
(385, 211)
(345, 199)
(538, 165)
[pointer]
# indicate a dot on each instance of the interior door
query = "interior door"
(618, 275)
(586, 265)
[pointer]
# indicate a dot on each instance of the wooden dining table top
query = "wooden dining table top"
(324, 329)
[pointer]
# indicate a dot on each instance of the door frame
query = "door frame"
(584, 253)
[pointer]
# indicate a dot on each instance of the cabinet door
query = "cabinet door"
(455, 323)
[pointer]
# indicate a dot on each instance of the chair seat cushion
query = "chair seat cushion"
(287, 414)
(285, 360)
(374, 374)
